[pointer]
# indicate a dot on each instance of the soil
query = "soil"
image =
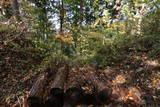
(137, 78)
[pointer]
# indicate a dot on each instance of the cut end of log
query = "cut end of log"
(34, 102)
(89, 99)
(104, 96)
(73, 95)
(55, 99)
(56, 92)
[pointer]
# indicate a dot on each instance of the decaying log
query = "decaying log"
(56, 94)
(102, 92)
(88, 99)
(35, 95)
(38, 89)
(76, 96)
(34, 101)
(73, 94)
(73, 97)
(38, 86)
(55, 98)
(60, 78)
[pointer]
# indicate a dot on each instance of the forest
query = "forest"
(79, 53)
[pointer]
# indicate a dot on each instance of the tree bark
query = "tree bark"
(38, 86)
(73, 97)
(57, 88)
(81, 11)
(60, 78)
(102, 92)
(15, 9)
(61, 9)
(36, 92)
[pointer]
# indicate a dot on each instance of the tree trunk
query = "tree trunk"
(81, 11)
(61, 15)
(15, 9)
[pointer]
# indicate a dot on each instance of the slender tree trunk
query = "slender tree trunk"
(61, 15)
(15, 9)
(81, 11)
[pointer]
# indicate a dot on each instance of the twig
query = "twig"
(19, 102)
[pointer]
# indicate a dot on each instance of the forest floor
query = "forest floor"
(136, 78)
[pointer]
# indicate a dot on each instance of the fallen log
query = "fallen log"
(56, 94)
(60, 78)
(55, 98)
(101, 91)
(88, 99)
(73, 97)
(34, 101)
(38, 86)
(34, 98)
(38, 90)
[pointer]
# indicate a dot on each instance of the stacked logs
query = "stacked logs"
(71, 97)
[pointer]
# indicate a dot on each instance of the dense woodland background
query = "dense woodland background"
(115, 41)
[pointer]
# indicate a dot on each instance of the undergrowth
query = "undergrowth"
(99, 46)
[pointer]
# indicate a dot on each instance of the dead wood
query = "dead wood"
(73, 97)
(101, 91)
(55, 98)
(60, 78)
(76, 96)
(38, 90)
(34, 98)
(34, 101)
(38, 86)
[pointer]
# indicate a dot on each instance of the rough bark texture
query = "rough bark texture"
(34, 98)
(61, 15)
(38, 86)
(73, 96)
(60, 78)
(56, 94)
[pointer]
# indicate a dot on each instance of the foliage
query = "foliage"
(102, 43)
(151, 23)
(92, 34)
(15, 50)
